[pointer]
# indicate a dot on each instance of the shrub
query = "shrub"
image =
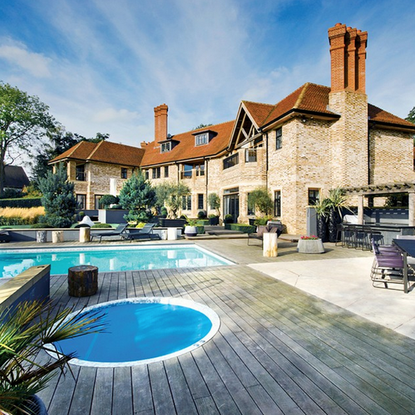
(228, 219)
(200, 229)
(108, 200)
(26, 202)
(101, 225)
(201, 214)
(41, 225)
(242, 227)
(20, 216)
(262, 221)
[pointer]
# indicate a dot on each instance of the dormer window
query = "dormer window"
(165, 147)
(201, 139)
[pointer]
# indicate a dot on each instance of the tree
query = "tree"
(59, 141)
(107, 200)
(201, 126)
(170, 195)
(138, 197)
(411, 116)
(214, 202)
(24, 119)
(58, 198)
(261, 200)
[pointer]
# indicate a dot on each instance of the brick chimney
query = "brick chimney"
(160, 122)
(348, 58)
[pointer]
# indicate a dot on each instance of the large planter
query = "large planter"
(310, 246)
(37, 406)
(190, 231)
(334, 220)
(214, 221)
(322, 228)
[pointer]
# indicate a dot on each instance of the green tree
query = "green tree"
(170, 195)
(138, 197)
(201, 126)
(24, 119)
(214, 202)
(411, 116)
(58, 198)
(261, 201)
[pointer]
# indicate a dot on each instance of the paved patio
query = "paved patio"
(279, 350)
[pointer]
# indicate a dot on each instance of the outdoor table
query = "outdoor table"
(407, 247)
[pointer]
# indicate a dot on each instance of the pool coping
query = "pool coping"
(183, 302)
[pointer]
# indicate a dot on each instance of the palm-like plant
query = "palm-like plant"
(26, 331)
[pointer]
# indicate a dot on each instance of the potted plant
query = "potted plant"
(25, 331)
(213, 219)
(336, 202)
(214, 202)
(190, 229)
(310, 245)
(322, 212)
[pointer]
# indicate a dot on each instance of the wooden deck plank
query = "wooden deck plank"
(278, 351)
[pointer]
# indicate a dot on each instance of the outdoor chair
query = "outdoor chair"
(118, 231)
(146, 232)
(259, 234)
(5, 236)
(388, 265)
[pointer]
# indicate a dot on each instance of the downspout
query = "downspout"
(206, 183)
(369, 162)
(266, 161)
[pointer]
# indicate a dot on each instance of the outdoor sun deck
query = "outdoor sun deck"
(278, 350)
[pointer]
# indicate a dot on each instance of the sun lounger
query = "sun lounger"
(146, 232)
(119, 231)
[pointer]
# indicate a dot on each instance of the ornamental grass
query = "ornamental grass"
(21, 216)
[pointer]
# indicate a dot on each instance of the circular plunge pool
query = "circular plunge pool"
(143, 330)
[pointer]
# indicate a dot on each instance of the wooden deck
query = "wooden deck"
(278, 351)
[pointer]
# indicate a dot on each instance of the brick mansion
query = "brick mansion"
(315, 139)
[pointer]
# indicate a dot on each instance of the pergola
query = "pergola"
(383, 190)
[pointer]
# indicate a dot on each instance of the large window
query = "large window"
(200, 204)
(156, 173)
(200, 169)
(165, 147)
(187, 171)
(278, 142)
(231, 161)
(250, 155)
(81, 201)
(124, 172)
(313, 196)
(201, 139)
(187, 202)
(277, 203)
(80, 172)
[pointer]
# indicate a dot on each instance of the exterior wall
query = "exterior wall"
(348, 138)
(391, 157)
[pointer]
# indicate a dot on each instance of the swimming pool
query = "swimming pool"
(13, 262)
(142, 331)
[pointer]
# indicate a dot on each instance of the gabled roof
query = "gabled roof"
(15, 177)
(104, 152)
(378, 115)
(185, 148)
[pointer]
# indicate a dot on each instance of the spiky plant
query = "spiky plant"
(24, 332)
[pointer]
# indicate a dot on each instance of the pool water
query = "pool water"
(143, 330)
(13, 262)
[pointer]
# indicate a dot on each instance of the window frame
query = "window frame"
(80, 174)
(231, 161)
(81, 201)
(166, 171)
(165, 147)
(313, 200)
(277, 203)
(187, 202)
(124, 172)
(278, 138)
(201, 139)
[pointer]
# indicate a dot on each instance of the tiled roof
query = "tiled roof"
(185, 147)
(258, 111)
(15, 177)
(105, 152)
(379, 115)
(309, 97)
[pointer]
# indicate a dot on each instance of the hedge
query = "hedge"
(241, 227)
(21, 203)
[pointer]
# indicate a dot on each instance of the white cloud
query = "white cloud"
(17, 54)
(109, 115)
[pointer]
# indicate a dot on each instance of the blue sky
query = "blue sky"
(102, 65)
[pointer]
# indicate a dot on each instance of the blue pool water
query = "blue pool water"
(13, 262)
(143, 330)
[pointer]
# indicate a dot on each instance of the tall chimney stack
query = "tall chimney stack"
(160, 122)
(348, 58)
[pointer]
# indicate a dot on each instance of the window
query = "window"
(166, 171)
(200, 201)
(200, 169)
(81, 201)
(147, 173)
(165, 147)
(278, 134)
(277, 203)
(156, 173)
(187, 202)
(187, 171)
(80, 172)
(313, 196)
(231, 161)
(250, 206)
(124, 172)
(201, 139)
(250, 155)
(96, 202)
